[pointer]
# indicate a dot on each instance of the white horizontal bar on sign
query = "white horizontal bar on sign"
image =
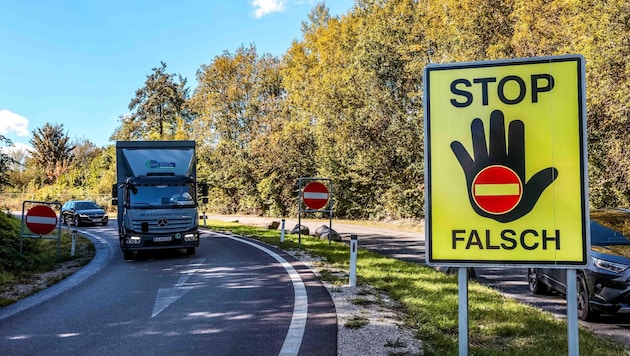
(41, 220)
(309, 195)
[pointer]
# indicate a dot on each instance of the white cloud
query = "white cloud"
(264, 7)
(13, 122)
(17, 147)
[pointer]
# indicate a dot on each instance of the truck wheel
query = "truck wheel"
(190, 250)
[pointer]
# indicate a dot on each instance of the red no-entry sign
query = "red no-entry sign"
(41, 219)
(315, 195)
(497, 189)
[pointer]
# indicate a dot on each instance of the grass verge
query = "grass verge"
(41, 257)
(497, 325)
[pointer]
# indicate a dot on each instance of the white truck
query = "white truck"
(156, 195)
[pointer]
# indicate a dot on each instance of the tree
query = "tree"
(79, 169)
(52, 151)
(159, 110)
(317, 18)
(6, 162)
(231, 98)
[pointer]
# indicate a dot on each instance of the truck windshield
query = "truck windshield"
(162, 196)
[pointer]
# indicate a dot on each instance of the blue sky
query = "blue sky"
(78, 63)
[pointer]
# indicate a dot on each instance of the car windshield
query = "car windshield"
(610, 227)
(162, 196)
(85, 205)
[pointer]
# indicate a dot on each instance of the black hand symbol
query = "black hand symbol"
(487, 164)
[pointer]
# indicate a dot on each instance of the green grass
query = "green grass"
(40, 255)
(497, 325)
(356, 322)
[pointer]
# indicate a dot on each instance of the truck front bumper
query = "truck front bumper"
(137, 242)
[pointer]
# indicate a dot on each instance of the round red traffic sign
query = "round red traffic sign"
(315, 195)
(41, 219)
(497, 189)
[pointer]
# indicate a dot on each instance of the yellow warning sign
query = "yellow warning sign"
(505, 162)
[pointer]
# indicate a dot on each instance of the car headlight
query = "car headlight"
(609, 266)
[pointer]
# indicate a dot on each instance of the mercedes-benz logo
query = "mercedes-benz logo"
(162, 222)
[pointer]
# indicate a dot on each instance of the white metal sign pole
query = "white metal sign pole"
(462, 283)
(572, 322)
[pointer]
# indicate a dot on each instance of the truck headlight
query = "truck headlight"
(190, 237)
(609, 266)
(134, 240)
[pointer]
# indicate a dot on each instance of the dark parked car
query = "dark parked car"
(80, 212)
(604, 286)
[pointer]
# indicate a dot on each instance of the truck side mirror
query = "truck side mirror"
(114, 191)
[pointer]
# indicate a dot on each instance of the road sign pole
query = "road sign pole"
(572, 322)
(462, 282)
(282, 232)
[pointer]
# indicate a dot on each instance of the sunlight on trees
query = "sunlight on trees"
(345, 102)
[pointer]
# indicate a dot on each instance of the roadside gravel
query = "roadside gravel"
(368, 321)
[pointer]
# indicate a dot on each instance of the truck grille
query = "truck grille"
(162, 225)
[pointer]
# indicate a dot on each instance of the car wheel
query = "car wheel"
(583, 306)
(536, 286)
(190, 250)
(77, 222)
(104, 223)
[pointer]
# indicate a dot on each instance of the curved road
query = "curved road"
(410, 246)
(234, 296)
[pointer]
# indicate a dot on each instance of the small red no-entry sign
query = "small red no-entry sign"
(315, 195)
(41, 219)
(497, 189)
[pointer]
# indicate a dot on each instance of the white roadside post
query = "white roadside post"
(282, 231)
(74, 242)
(353, 260)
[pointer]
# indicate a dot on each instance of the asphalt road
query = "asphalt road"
(410, 246)
(233, 297)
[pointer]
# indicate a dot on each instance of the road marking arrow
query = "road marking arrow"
(167, 296)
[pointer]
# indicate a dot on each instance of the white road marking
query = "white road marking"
(167, 296)
(295, 334)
